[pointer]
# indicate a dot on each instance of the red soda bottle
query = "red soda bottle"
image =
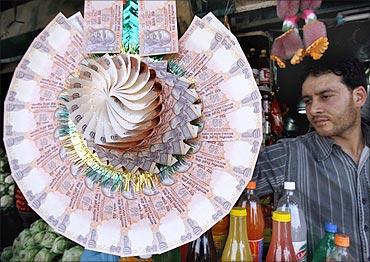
(281, 246)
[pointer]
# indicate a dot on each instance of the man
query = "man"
(330, 166)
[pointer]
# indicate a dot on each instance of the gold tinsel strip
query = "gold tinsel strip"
(83, 158)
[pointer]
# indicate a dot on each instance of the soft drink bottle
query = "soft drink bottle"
(237, 247)
(219, 233)
(202, 249)
(255, 221)
(340, 252)
(281, 247)
(289, 202)
(326, 244)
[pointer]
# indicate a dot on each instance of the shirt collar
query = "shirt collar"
(324, 145)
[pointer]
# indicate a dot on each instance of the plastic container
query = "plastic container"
(289, 202)
(255, 220)
(326, 244)
(219, 233)
(281, 247)
(202, 249)
(340, 252)
(237, 246)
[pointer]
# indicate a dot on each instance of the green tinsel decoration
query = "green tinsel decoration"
(130, 34)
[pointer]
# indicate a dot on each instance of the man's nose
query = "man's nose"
(315, 107)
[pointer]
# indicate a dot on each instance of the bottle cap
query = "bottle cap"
(263, 51)
(238, 212)
(289, 185)
(330, 227)
(281, 216)
(251, 185)
(252, 49)
(341, 240)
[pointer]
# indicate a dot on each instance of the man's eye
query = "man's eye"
(326, 97)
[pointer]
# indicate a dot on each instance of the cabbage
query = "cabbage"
(28, 253)
(16, 246)
(39, 236)
(60, 244)
(9, 180)
(6, 201)
(28, 241)
(2, 189)
(2, 177)
(38, 226)
(44, 255)
(24, 234)
(72, 254)
(48, 239)
(11, 190)
(6, 254)
(15, 259)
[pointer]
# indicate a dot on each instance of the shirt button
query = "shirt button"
(366, 228)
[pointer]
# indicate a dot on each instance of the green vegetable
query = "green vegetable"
(6, 201)
(50, 229)
(6, 254)
(24, 234)
(9, 180)
(60, 244)
(48, 239)
(28, 241)
(72, 254)
(11, 190)
(44, 255)
(15, 259)
(2, 189)
(28, 253)
(39, 236)
(38, 226)
(16, 246)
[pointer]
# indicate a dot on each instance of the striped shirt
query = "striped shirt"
(330, 185)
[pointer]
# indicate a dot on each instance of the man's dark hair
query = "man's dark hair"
(352, 72)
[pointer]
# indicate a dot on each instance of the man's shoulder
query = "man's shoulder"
(302, 139)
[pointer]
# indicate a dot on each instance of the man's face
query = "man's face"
(329, 105)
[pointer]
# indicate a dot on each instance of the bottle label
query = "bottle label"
(256, 249)
(219, 241)
(300, 249)
(264, 75)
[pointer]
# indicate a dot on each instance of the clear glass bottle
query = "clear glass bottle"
(237, 245)
(340, 252)
(202, 249)
(290, 202)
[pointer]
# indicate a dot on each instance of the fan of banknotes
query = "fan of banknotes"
(129, 154)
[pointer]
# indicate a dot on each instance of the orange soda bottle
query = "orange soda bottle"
(281, 245)
(255, 220)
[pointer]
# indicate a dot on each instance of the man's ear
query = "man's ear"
(359, 96)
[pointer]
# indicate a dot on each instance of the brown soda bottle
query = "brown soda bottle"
(281, 246)
(219, 233)
(202, 249)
